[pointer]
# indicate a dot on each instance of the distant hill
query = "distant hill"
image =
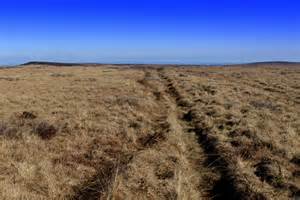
(7, 66)
(254, 64)
(268, 63)
(101, 64)
(55, 63)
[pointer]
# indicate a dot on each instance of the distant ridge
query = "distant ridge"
(104, 64)
(56, 63)
(254, 64)
(268, 63)
(6, 66)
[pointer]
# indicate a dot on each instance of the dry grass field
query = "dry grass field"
(117, 132)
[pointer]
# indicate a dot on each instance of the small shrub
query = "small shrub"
(57, 75)
(45, 130)
(296, 159)
(27, 115)
(135, 125)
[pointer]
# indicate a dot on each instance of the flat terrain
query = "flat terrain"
(142, 132)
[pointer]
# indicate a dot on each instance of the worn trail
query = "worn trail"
(226, 181)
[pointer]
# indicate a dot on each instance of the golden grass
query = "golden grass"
(123, 133)
(254, 115)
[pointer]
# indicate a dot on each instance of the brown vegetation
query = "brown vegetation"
(117, 132)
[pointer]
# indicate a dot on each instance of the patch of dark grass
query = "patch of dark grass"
(268, 170)
(58, 75)
(296, 159)
(45, 130)
(265, 104)
(27, 115)
(164, 172)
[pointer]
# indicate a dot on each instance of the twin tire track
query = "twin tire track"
(101, 184)
(211, 167)
(186, 175)
(230, 184)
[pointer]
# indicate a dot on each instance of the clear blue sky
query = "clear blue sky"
(149, 31)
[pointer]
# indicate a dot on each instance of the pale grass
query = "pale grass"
(102, 113)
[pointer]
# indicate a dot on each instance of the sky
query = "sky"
(149, 31)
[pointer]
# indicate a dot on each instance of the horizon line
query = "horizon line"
(43, 62)
(147, 63)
